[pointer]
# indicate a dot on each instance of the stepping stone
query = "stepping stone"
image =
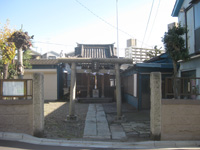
(117, 132)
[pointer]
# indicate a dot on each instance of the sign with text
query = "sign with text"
(13, 88)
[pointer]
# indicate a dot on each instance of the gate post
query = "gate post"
(155, 110)
(38, 104)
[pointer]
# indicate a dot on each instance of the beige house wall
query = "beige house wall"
(180, 120)
(50, 81)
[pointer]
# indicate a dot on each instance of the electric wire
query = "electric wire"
(108, 22)
(50, 43)
(154, 21)
(147, 23)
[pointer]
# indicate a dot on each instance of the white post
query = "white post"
(20, 65)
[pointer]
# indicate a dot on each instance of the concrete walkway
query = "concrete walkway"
(96, 125)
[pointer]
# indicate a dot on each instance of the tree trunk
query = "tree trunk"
(5, 71)
(175, 88)
(20, 66)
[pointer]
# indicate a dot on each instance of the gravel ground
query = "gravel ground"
(56, 125)
(56, 112)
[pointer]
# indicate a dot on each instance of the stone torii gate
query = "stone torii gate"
(74, 61)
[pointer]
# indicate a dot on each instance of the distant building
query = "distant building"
(171, 25)
(137, 54)
(131, 43)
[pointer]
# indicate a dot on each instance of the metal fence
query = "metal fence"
(13, 89)
(187, 88)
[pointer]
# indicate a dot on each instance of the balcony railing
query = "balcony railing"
(13, 89)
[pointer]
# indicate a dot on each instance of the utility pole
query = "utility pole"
(117, 29)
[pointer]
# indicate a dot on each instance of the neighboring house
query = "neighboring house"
(136, 80)
(70, 54)
(188, 13)
(51, 55)
(35, 55)
(53, 76)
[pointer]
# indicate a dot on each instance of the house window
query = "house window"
(52, 57)
(189, 74)
(197, 26)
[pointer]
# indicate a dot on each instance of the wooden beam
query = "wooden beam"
(91, 60)
(105, 71)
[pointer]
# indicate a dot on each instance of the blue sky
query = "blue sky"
(59, 24)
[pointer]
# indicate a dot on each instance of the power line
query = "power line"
(95, 14)
(147, 23)
(154, 20)
(52, 43)
(108, 22)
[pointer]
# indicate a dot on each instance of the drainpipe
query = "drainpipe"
(186, 34)
(185, 13)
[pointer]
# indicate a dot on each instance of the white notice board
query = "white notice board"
(13, 88)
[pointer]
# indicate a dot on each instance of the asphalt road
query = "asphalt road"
(13, 145)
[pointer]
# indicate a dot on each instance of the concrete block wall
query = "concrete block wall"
(180, 120)
(16, 116)
(25, 116)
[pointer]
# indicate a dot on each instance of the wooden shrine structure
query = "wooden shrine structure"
(94, 66)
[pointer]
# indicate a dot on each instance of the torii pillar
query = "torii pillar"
(72, 115)
(118, 93)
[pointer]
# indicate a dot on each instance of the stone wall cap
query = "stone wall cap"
(180, 102)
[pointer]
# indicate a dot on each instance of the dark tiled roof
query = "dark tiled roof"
(194, 1)
(95, 51)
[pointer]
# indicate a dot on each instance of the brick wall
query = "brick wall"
(180, 120)
(16, 116)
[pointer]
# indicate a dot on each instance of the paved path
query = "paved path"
(96, 125)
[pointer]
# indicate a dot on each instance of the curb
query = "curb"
(21, 137)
